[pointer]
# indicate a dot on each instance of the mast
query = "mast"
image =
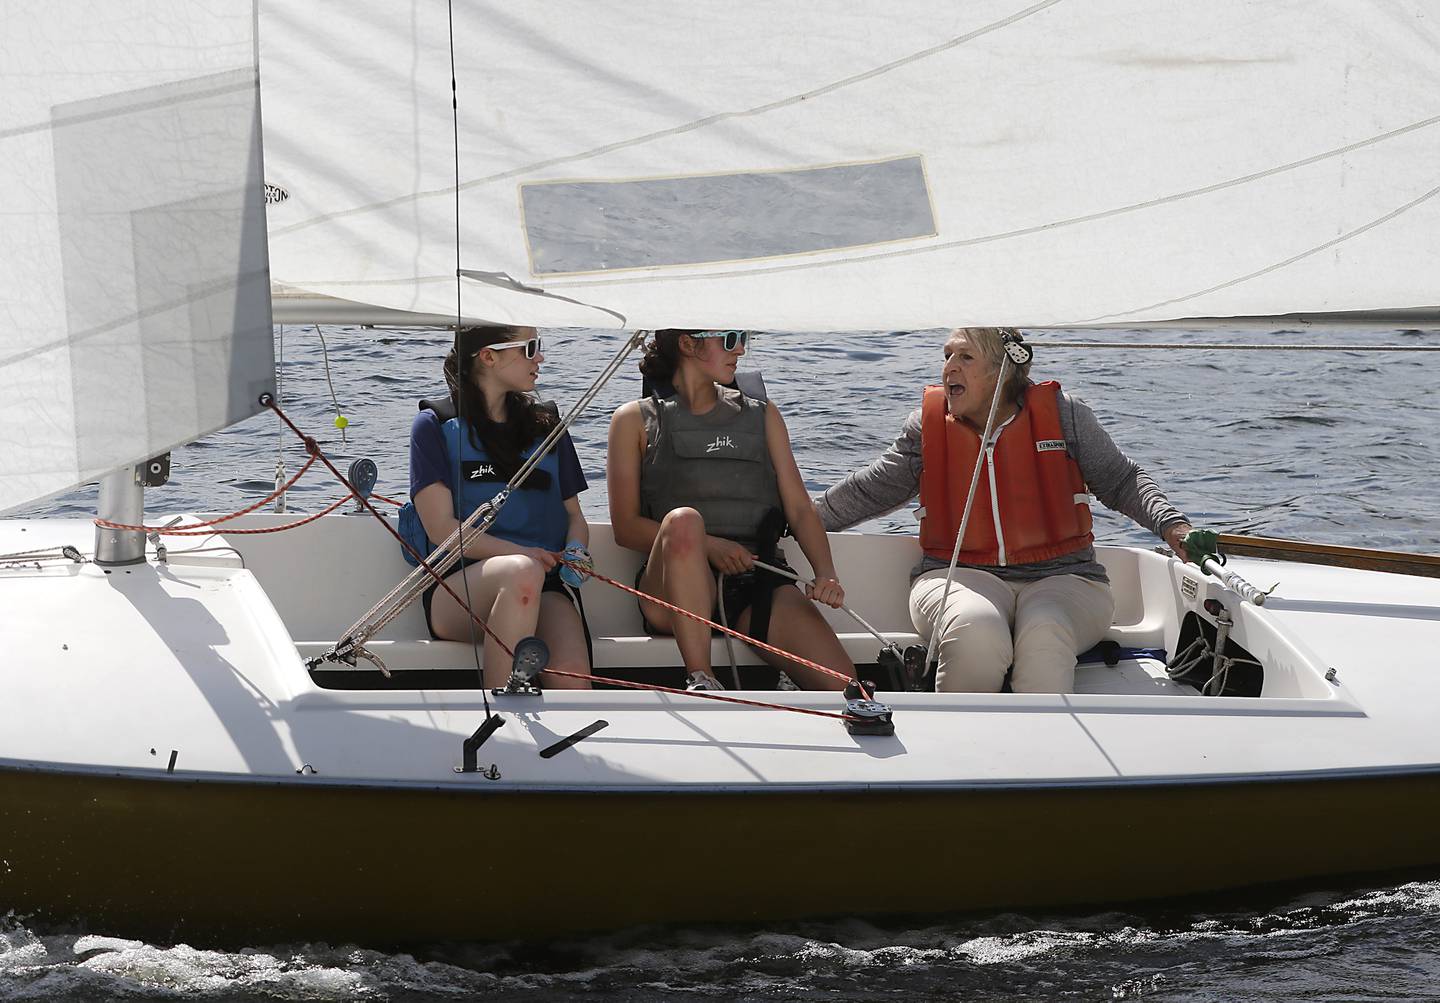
(122, 499)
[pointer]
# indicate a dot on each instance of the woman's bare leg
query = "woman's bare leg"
(563, 632)
(505, 593)
(796, 625)
(678, 571)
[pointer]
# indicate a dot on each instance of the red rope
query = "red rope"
(387, 501)
(313, 448)
(192, 527)
(235, 532)
(797, 659)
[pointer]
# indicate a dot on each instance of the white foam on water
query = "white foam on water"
(1124, 954)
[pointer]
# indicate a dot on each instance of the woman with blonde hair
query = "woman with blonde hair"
(1028, 591)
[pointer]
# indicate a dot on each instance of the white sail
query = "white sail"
(134, 292)
(844, 164)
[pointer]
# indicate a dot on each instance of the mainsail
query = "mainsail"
(853, 165)
(134, 292)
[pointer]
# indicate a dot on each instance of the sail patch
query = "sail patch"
(601, 226)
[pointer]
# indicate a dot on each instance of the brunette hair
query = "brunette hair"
(525, 418)
(991, 344)
(662, 354)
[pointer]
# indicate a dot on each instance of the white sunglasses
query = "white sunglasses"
(531, 345)
(733, 339)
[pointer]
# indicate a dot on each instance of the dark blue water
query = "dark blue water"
(1331, 447)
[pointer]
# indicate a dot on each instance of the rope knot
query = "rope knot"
(311, 446)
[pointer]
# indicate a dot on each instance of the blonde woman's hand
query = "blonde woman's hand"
(1175, 537)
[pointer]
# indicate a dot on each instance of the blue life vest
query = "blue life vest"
(534, 515)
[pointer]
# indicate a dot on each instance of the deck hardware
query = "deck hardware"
(72, 553)
(155, 472)
(1220, 667)
(1332, 676)
(154, 539)
(307, 770)
(868, 717)
(859, 689)
(468, 749)
(1209, 660)
(575, 739)
(1015, 347)
(493, 773)
(362, 475)
(531, 658)
(174, 754)
(905, 665)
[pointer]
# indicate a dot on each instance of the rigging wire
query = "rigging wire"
(280, 429)
(316, 453)
(460, 370)
(980, 460)
(341, 422)
(315, 450)
(446, 555)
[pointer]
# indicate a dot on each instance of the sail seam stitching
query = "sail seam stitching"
(691, 126)
(1023, 231)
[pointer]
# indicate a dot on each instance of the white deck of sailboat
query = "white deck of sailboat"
(202, 657)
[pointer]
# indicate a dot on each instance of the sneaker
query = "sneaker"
(702, 681)
(785, 684)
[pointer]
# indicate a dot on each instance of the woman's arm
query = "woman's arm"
(1116, 480)
(800, 511)
(579, 530)
(436, 507)
(889, 482)
(624, 455)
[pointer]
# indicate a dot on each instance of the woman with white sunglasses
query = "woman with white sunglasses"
(702, 480)
(462, 453)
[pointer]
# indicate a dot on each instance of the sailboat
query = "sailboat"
(169, 761)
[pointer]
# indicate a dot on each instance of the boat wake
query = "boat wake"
(1317, 945)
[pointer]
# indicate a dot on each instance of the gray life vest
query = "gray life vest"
(717, 463)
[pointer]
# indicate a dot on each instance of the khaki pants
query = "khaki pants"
(990, 624)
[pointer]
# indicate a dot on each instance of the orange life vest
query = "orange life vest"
(1031, 503)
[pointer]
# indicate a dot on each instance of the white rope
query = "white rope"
(965, 516)
(887, 642)
(340, 421)
(725, 622)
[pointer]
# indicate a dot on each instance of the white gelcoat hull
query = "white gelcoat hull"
(189, 676)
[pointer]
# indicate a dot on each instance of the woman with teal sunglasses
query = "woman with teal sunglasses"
(702, 480)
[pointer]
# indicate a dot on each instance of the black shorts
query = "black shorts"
(737, 595)
(552, 584)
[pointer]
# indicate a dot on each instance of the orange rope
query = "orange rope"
(190, 529)
(313, 448)
(198, 531)
(387, 501)
(797, 659)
